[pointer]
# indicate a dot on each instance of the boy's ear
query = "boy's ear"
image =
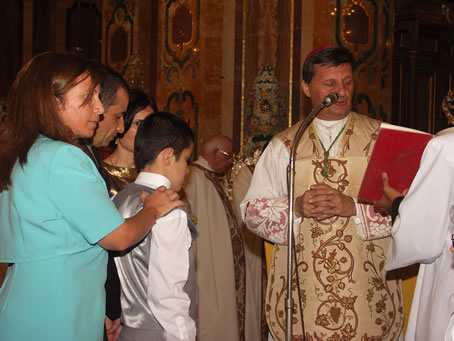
(168, 156)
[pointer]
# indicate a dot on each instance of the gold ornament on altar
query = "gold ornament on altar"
(447, 106)
(240, 161)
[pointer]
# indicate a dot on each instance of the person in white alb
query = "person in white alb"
(345, 292)
(422, 233)
(158, 285)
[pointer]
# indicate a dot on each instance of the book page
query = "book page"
(385, 125)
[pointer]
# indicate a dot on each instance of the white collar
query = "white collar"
(204, 163)
(330, 124)
(152, 180)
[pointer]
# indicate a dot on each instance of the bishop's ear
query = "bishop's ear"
(305, 87)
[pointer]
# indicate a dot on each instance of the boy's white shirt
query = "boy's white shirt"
(168, 268)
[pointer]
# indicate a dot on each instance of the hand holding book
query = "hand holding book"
(384, 205)
(397, 152)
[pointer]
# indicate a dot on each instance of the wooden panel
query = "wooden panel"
(401, 85)
(44, 23)
(428, 43)
(423, 64)
(238, 68)
(424, 97)
(83, 30)
(11, 21)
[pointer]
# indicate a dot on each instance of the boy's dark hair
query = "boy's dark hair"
(160, 131)
(333, 56)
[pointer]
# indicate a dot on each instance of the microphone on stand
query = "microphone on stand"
(330, 99)
(326, 102)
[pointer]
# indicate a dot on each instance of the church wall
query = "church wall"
(190, 64)
(365, 27)
(279, 34)
(232, 67)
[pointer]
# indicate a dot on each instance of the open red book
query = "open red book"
(398, 152)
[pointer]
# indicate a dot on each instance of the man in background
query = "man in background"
(220, 262)
(115, 99)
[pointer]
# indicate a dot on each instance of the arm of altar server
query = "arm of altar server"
(422, 230)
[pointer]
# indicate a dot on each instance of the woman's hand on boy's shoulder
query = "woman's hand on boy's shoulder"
(163, 200)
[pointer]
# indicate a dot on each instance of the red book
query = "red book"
(398, 152)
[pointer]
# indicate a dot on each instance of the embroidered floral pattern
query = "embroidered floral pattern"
(341, 279)
(380, 298)
(268, 218)
(348, 134)
(367, 148)
(334, 178)
(375, 225)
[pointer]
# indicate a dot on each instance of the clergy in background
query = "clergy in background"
(255, 325)
(220, 260)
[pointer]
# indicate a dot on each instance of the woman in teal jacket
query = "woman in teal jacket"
(56, 219)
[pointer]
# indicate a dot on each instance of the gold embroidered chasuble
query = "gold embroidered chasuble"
(343, 289)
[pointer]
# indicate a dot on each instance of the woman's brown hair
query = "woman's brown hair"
(32, 105)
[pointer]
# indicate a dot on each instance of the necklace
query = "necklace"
(326, 153)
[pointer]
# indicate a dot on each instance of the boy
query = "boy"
(158, 289)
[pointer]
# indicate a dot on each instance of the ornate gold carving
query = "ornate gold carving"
(181, 41)
(119, 27)
(182, 23)
(447, 106)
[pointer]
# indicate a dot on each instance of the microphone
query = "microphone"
(327, 101)
(330, 99)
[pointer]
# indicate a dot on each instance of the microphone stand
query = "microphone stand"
(328, 100)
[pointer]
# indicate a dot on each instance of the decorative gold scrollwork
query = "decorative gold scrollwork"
(447, 105)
